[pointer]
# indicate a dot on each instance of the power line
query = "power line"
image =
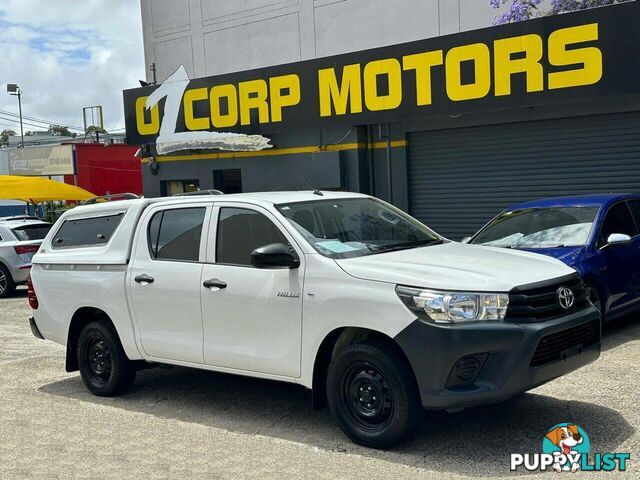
(17, 122)
(40, 120)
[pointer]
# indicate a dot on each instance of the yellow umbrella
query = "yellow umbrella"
(38, 189)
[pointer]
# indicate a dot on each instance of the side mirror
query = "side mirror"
(465, 240)
(274, 255)
(618, 239)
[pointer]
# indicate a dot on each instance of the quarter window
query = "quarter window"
(175, 234)
(240, 231)
(618, 220)
(86, 232)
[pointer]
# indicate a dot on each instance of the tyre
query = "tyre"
(7, 287)
(373, 395)
(104, 367)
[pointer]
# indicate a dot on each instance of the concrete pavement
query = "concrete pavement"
(187, 424)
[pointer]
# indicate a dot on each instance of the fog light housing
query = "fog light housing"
(466, 370)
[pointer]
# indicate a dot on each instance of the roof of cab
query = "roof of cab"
(254, 197)
(596, 200)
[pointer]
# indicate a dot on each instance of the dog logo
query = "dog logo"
(567, 442)
(566, 448)
(566, 298)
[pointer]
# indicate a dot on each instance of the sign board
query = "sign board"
(574, 57)
(42, 161)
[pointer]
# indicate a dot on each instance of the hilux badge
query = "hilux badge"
(565, 297)
(289, 294)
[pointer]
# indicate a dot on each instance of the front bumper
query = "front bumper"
(433, 350)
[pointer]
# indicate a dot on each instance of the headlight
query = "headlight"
(454, 307)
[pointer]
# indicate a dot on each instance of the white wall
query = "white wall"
(210, 37)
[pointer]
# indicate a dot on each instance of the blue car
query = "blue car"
(598, 235)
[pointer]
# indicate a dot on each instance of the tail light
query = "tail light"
(31, 294)
(22, 249)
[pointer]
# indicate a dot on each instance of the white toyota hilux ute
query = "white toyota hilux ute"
(340, 292)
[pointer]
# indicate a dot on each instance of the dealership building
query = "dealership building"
(418, 102)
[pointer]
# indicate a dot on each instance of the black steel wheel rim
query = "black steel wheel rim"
(367, 396)
(99, 359)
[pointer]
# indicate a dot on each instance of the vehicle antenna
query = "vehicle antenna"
(316, 190)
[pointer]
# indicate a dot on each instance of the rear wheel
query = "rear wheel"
(7, 287)
(104, 367)
(372, 394)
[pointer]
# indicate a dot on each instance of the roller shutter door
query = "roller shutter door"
(460, 178)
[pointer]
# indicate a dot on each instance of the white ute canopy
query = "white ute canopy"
(111, 247)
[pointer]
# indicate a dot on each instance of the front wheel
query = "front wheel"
(372, 394)
(104, 367)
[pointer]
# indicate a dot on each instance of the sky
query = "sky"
(66, 55)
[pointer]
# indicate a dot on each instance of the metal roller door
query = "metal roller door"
(459, 179)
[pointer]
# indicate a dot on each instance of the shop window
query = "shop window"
(228, 180)
(171, 187)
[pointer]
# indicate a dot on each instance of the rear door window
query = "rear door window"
(175, 234)
(86, 232)
(32, 232)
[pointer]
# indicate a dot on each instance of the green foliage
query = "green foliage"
(4, 137)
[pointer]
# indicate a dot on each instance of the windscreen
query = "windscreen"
(356, 226)
(539, 228)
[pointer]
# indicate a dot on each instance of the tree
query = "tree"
(91, 129)
(518, 10)
(4, 137)
(59, 131)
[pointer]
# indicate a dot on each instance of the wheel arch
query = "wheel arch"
(82, 317)
(332, 343)
(600, 287)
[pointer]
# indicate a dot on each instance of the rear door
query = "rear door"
(164, 281)
(254, 322)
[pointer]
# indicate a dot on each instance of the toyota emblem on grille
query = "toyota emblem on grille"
(566, 298)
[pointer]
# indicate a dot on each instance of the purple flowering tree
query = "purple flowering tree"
(518, 10)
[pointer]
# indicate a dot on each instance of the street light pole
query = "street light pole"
(14, 89)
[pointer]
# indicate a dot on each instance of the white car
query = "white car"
(339, 292)
(20, 238)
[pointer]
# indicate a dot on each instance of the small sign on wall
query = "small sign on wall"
(42, 161)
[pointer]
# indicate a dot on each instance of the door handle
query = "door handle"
(214, 283)
(144, 278)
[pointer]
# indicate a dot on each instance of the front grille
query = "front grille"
(565, 343)
(539, 302)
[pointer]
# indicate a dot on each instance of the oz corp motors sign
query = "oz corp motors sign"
(564, 58)
(43, 160)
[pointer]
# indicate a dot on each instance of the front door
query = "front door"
(252, 317)
(621, 268)
(165, 282)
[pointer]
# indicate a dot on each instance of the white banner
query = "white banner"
(42, 160)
